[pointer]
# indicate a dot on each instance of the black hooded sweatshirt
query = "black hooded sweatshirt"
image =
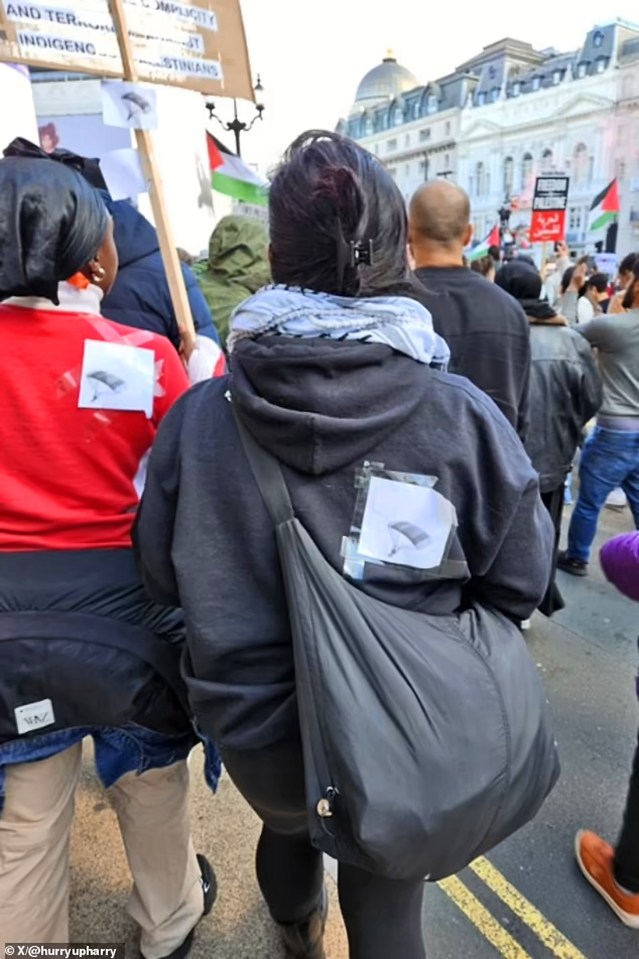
(322, 407)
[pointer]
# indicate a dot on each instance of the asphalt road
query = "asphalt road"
(526, 901)
(588, 657)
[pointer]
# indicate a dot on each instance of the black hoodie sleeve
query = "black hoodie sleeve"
(154, 525)
(507, 532)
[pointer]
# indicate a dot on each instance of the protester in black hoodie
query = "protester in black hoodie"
(330, 368)
(485, 329)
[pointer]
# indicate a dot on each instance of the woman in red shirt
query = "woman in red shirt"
(83, 651)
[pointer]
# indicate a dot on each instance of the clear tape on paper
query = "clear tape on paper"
(400, 520)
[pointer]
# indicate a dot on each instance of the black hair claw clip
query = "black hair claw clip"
(361, 253)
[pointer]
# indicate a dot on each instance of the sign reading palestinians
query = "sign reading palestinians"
(196, 44)
(549, 209)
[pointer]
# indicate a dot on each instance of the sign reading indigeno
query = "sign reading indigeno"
(196, 44)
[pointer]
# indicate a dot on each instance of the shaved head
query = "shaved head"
(439, 213)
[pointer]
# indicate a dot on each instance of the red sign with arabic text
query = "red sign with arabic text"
(549, 209)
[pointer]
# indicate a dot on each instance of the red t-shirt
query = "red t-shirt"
(71, 478)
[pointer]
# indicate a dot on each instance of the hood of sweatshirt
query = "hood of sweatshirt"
(319, 404)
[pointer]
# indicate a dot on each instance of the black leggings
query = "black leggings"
(627, 853)
(383, 917)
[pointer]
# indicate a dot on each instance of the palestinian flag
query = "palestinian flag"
(232, 177)
(493, 239)
(604, 208)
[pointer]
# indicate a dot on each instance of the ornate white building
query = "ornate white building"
(509, 114)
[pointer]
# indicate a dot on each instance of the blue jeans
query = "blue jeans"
(610, 458)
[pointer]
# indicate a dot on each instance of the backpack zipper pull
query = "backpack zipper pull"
(324, 807)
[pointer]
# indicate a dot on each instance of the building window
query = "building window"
(620, 169)
(447, 128)
(447, 161)
(391, 146)
(581, 70)
(575, 219)
(536, 84)
(516, 89)
(602, 63)
(598, 39)
(509, 176)
(416, 110)
(432, 104)
(580, 164)
(526, 171)
(480, 179)
(481, 99)
(546, 161)
(495, 94)
(407, 170)
(424, 134)
(557, 77)
(399, 116)
(369, 127)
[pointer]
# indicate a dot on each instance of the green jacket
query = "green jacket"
(237, 267)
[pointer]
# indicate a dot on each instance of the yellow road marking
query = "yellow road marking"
(472, 908)
(551, 937)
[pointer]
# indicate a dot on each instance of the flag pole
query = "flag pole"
(175, 277)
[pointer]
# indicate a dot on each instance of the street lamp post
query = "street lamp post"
(236, 126)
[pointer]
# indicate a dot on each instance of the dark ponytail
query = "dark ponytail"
(629, 298)
(328, 200)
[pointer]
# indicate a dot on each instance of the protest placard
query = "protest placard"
(196, 44)
(549, 209)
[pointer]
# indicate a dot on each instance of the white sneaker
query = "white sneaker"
(617, 499)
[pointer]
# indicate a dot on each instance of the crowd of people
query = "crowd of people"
(142, 594)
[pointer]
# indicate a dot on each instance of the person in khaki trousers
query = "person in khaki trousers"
(83, 650)
(167, 898)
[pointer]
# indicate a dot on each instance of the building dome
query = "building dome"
(383, 82)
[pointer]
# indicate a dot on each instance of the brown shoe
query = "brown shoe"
(596, 859)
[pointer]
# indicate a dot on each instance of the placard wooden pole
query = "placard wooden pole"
(168, 248)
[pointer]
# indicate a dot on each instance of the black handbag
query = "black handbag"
(426, 739)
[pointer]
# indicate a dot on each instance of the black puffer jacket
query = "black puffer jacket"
(565, 392)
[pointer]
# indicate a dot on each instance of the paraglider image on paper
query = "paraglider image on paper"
(116, 376)
(130, 105)
(405, 524)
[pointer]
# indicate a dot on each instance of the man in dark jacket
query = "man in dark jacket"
(141, 296)
(486, 330)
(565, 392)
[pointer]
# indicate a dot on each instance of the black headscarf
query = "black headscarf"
(89, 167)
(520, 278)
(52, 223)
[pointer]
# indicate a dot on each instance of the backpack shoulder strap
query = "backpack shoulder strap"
(268, 476)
